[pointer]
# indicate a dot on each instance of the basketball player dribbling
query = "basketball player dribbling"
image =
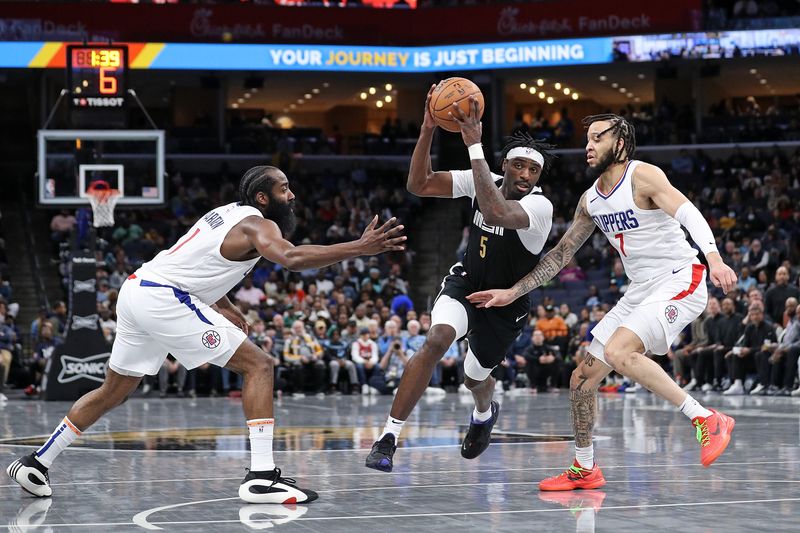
(511, 220)
(177, 304)
(641, 213)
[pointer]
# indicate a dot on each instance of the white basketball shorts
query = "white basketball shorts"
(155, 318)
(656, 310)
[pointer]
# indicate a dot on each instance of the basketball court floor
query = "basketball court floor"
(176, 465)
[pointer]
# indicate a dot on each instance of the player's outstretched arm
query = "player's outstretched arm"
(551, 264)
(497, 211)
(266, 238)
(651, 182)
(422, 180)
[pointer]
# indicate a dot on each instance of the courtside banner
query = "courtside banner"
(185, 56)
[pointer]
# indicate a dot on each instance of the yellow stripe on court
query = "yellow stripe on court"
(45, 55)
(148, 54)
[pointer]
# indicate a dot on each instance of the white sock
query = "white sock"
(393, 426)
(692, 408)
(261, 444)
(477, 416)
(64, 434)
(585, 456)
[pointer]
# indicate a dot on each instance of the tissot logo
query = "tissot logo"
(74, 368)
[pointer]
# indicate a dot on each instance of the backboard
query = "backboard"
(129, 160)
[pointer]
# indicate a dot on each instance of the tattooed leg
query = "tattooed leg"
(582, 396)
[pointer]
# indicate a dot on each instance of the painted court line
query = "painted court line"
(431, 472)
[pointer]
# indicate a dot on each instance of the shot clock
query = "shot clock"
(97, 76)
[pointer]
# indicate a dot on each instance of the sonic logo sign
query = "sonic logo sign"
(75, 368)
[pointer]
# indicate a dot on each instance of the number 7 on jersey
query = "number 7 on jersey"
(621, 239)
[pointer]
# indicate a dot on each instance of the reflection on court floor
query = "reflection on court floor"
(176, 465)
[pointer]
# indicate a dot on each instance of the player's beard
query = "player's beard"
(281, 213)
(594, 172)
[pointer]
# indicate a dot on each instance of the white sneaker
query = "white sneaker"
(758, 388)
(374, 391)
(31, 476)
(270, 487)
(3, 398)
(796, 392)
(462, 389)
(364, 389)
(691, 385)
(734, 390)
(707, 387)
(633, 390)
(435, 391)
(298, 395)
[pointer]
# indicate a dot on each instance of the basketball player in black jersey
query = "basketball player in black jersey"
(510, 224)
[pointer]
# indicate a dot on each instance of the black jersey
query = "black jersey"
(495, 257)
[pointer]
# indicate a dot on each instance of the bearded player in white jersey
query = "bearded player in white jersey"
(641, 214)
(177, 304)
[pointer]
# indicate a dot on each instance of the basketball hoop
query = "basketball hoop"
(103, 199)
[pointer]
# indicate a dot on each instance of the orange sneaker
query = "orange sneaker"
(713, 434)
(575, 477)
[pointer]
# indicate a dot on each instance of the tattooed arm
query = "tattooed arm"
(497, 211)
(551, 264)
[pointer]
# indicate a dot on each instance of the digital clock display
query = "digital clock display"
(97, 76)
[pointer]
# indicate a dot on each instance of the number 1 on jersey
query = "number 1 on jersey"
(483, 246)
(621, 238)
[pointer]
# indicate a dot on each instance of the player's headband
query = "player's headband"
(526, 153)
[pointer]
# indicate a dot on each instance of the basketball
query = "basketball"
(449, 91)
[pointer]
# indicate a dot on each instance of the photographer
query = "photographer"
(387, 377)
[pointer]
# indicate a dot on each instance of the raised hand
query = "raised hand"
(471, 126)
(427, 120)
(492, 298)
(387, 238)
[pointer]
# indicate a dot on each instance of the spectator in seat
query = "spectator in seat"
(750, 356)
(553, 328)
(756, 257)
(776, 296)
(542, 361)
(250, 294)
(60, 225)
(336, 354)
(784, 359)
(364, 353)
(303, 356)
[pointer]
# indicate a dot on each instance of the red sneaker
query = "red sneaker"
(713, 434)
(575, 477)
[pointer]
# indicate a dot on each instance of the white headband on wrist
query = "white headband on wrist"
(527, 153)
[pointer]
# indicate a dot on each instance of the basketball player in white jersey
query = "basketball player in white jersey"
(177, 304)
(641, 213)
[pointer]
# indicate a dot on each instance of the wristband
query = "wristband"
(476, 151)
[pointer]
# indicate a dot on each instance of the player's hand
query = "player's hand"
(427, 120)
(471, 126)
(236, 317)
(492, 298)
(722, 275)
(387, 238)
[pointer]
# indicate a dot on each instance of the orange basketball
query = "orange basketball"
(452, 90)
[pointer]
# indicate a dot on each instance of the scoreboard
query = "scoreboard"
(97, 76)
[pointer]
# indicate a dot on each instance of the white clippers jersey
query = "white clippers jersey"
(649, 241)
(195, 265)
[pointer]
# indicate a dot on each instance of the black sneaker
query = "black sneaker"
(31, 476)
(479, 435)
(269, 487)
(380, 458)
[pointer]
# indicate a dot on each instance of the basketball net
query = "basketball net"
(103, 200)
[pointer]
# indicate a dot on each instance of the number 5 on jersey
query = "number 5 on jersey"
(483, 246)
